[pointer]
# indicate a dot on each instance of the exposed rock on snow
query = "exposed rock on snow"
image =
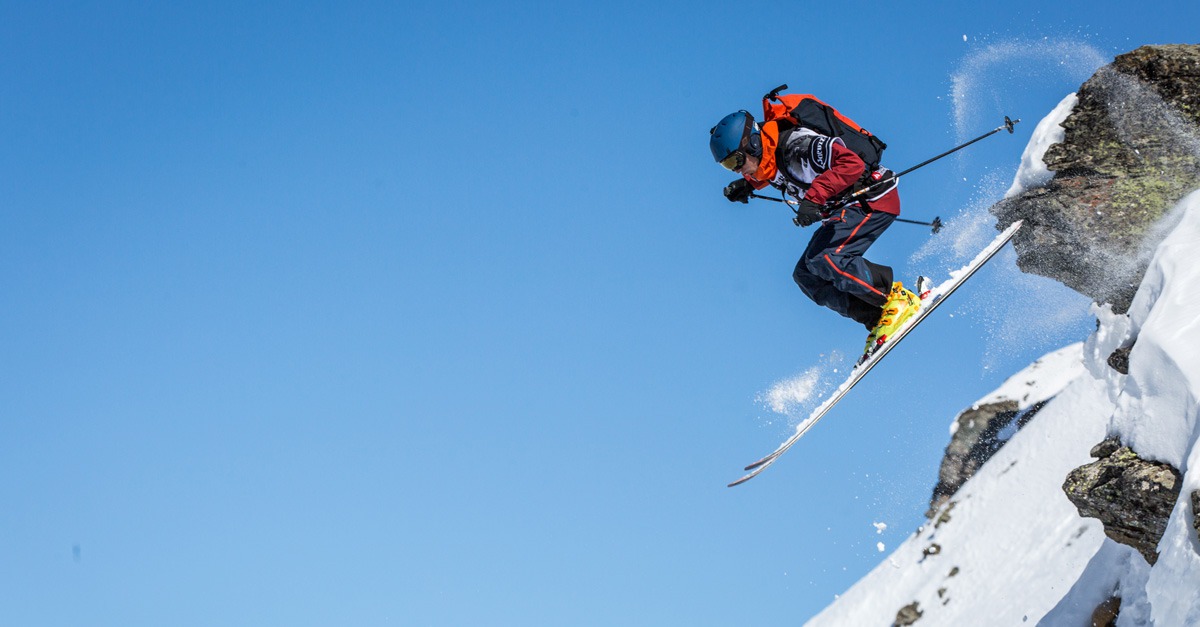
(980, 430)
(1106, 448)
(1133, 497)
(1107, 612)
(943, 515)
(973, 443)
(1130, 152)
(1119, 359)
(908, 615)
(1196, 512)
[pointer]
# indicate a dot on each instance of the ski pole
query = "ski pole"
(936, 224)
(1007, 126)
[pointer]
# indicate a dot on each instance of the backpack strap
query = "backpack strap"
(829, 119)
(781, 153)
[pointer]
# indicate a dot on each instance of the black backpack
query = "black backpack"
(810, 112)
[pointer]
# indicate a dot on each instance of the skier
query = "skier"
(819, 171)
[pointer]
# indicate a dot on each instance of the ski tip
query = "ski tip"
(764, 461)
(741, 481)
(754, 469)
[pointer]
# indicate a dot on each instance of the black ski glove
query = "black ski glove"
(808, 212)
(739, 191)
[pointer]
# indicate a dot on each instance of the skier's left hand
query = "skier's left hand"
(809, 212)
(739, 191)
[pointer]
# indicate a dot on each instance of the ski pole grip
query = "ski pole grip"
(774, 93)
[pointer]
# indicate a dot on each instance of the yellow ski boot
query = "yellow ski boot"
(900, 306)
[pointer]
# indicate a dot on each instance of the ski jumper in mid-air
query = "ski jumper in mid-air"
(820, 171)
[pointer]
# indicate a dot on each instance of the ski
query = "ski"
(936, 297)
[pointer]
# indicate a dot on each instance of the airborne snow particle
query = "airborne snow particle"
(785, 396)
(880, 527)
(964, 37)
(880, 547)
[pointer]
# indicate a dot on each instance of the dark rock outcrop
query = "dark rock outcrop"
(1131, 151)
(1119, 360)
(1133, 497)
(1105, 448)
(908, 615)
(943, 515)
(1106, 614)
(1196, 512)
(981, 431)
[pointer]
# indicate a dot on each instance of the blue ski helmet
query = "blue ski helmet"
(735, 132)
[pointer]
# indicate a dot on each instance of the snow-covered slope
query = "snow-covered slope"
(1157, 412)
(1010, 549)
(1041, 380)
(1001, 531)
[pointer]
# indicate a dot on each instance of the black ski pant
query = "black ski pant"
(834, 274)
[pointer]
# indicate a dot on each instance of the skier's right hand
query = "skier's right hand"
(808, 212)
(739, 191)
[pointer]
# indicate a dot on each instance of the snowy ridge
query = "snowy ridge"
(1041, 380)
(1009, 546)
(1033, 171)
(999, 532)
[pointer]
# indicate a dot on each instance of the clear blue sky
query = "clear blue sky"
(379, 313)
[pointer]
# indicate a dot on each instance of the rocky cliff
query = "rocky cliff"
(1025, 515)
(1130, 154)
(1131, 151)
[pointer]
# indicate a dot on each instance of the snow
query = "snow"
(1009, 546)
(1048, 59)
(794, 397)
(787, 394)
(1003, 524)
(1157, 411)
(1041, 380)
(1033, 171)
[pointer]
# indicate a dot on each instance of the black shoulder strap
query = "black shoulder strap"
(781, 154)
(785, 133)
(830, 120)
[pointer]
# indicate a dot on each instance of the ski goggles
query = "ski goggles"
(734, 161)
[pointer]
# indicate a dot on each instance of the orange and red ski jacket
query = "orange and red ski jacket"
(816, 167)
